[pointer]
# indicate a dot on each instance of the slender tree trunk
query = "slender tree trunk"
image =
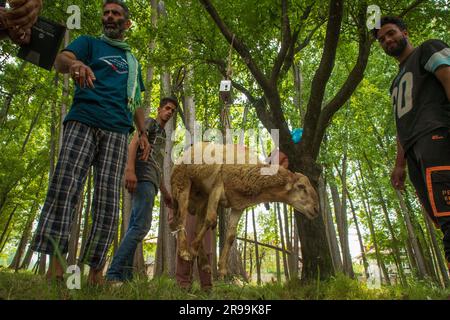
(250, 274)
(394, 241)
(245, 242)
(412, 237)
(291, 258)
(27, 259)
(42, 264)
(257, 261)
(437, 250)
(330, 230)
(65, 95)
(15, 264)
(363, 191)
(150, 67)
(296, 250)
(342, 229)
(277, 261)
(298, 81)
(282, 238)
(8, 222)
(424, 247)
(166, 244)
(346, 256)
(360, 239)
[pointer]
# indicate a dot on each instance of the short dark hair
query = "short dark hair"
(120, 3)
(390, 19)
(166, 100)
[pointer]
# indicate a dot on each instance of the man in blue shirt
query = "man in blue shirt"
(108, 86)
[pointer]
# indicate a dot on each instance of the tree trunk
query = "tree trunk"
(150, 67)
(65, 95)
(15, 264)
(42, 264)
(278, 263)
(282, 238)
(245, 242)
(394, 241)
(437, 250)
(296, 250)
(6, 229)
(257, 262)
(363, 191)
(360, 239)
(341, 217)
(298, 81)
(330, 230)
(27, 259)
(291, 258)
(166, 244)
(412, 237)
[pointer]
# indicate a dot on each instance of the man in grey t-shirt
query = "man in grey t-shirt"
(142, 180)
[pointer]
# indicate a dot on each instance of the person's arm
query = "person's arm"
(166, 195)
(139, 119)
(66, 62)
(398, 174)
(130, 170)
(443, 75)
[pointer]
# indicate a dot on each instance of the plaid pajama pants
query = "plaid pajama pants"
(82, 147)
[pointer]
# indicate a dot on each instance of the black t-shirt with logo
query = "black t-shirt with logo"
(419, 99)
(151, 170)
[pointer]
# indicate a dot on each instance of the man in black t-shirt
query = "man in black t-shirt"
(142, 180)
(421, 99)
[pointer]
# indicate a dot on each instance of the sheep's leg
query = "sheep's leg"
(203, 261)
(183, 209)
(210, 220)
(230, 236)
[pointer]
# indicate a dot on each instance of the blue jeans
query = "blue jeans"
(121, 268)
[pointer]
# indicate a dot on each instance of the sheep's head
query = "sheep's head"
(302, 196)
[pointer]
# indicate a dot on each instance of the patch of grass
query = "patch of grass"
(24, 285)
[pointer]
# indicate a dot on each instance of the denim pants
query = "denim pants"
(121, 268)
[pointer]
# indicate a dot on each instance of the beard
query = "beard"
(114, 30)
(398, 49)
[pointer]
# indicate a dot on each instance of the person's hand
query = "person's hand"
(145, 146)
(82, 74)
(23, 13)
(19, 36)
(168, 201)
(398, 177)
(130, 180)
